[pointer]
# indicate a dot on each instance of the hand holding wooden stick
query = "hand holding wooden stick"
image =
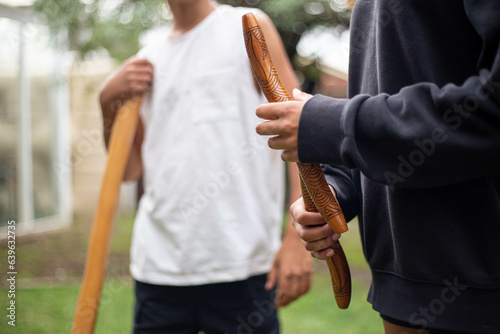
(315, 190)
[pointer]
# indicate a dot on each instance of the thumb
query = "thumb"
(300, 96)
(271, 278)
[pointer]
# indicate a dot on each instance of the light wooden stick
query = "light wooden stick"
(121, 139)
(315, 190)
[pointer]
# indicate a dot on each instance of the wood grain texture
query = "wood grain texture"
(315, 190)
(121, 139)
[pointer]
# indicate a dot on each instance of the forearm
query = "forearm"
(109, 106)
(133, 170)
(133, 78)
(290, 236)
(346, 187)
(134, 166)
(293, 195)
(110, 100)
(423, 136)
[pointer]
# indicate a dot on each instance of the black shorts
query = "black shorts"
(407, 324)
(242, 307)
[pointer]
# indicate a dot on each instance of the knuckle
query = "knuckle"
(271, 142)
(288, 127)
(286, 155)
(299, 216)
(300, 233)
(291, 140)
(259, 110)
(258, 128)
(310, 247)
(316, 255)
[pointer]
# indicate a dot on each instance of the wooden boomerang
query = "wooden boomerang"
(121, 139)
(315, 190)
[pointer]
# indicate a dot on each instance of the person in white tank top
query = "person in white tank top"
(207, 250)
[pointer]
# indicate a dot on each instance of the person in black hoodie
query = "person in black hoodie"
(414, 152)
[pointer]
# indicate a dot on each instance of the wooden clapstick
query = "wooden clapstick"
(315, 190)
(121, 139)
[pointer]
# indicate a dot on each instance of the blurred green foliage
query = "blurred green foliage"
(94, 25)
(294, 17)
(116, 25)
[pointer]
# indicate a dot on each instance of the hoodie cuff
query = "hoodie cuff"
(320, 131)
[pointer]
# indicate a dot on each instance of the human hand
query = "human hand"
(282, 121)
(316, 234)
(134, 77)
(292, 270)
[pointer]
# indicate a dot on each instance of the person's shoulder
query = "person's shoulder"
(237, 12)
(154, 43)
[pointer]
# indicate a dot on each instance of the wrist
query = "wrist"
(320, 133)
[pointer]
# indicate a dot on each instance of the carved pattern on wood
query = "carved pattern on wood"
(315, 190)
(264, 71)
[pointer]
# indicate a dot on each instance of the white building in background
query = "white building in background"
(34, 119)
(52, 155)
(329, 47)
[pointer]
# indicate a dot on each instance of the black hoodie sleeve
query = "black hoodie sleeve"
(422, 136)
(346, 186)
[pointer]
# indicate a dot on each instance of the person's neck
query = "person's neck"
(188, 15)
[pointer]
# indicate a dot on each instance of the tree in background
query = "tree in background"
(293, 18)
(97, 25)
(116, 25)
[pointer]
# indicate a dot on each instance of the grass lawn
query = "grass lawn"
(49, 309)
(47, 289)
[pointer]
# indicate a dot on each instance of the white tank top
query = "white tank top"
(213, 202)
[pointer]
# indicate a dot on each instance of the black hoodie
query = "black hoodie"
(415, 153)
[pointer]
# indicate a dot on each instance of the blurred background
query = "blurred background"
(54, 55)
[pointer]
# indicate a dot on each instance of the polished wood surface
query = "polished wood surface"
(122, 136)
(315, 190)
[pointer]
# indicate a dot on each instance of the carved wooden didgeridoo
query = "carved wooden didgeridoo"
(121, 139)
(315, 190)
